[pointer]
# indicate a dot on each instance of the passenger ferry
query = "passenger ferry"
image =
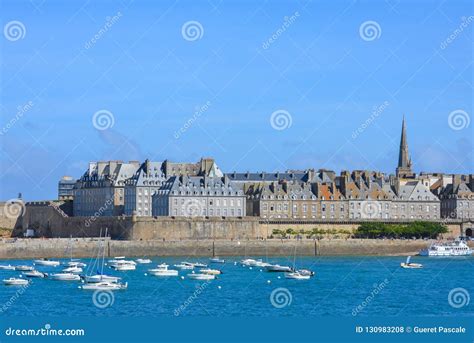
(456, 248)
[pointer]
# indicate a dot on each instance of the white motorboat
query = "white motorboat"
(249, 262)
(124, 267)
(104, 286)
(35, 273)
(75, 270)
(15, 282)
(199, 265)
(216, 260)
(456, 248)
(65, 277)
(121, 263)
(163, 270)
(7, 267)
(101, 278)
(199, 276)
(184, 266)
(261, 264)
(210, 271)
(24, 268)
(76, 264)
(143, 260)
(278, 268)
(409, 265)
(46, 262)
(305, 272)
(297, 276)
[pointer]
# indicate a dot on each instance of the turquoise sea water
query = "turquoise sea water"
(342, 286)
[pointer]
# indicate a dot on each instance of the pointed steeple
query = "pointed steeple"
(404, 161)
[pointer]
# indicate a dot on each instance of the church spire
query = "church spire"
(404, 161)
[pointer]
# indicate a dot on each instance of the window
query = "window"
(304, 208)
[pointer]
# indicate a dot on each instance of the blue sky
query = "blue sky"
(322, 71)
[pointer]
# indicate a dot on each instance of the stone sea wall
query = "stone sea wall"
(87, 247)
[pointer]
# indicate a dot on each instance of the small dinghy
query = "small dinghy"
(35, 273)
(65, 277)
(46, 262)
(199, 276)
(143, 261)
(15, 282)
(104, 286)
(297, 276)
(24, 268)
(7, 267)
(409, 265)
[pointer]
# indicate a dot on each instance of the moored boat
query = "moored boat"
(46, 262)
(210, 271)
(184, 266)
(65, 277)
(15, 282)
(7, 267)
(456, 248)
(143, 260)
(75, 270)
(278, 268)
(216, 260)
(297, 276)
(101, 278)
(199, 276)
(163, 270)
(35, 273)
(24, 268)
(76, 264)
(104, 286)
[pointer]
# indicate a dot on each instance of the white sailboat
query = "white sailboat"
(409, 265)
(210, 271)
(216, 259)
(99, 264)
(143, 261)
(184, 266)
(297, 276)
